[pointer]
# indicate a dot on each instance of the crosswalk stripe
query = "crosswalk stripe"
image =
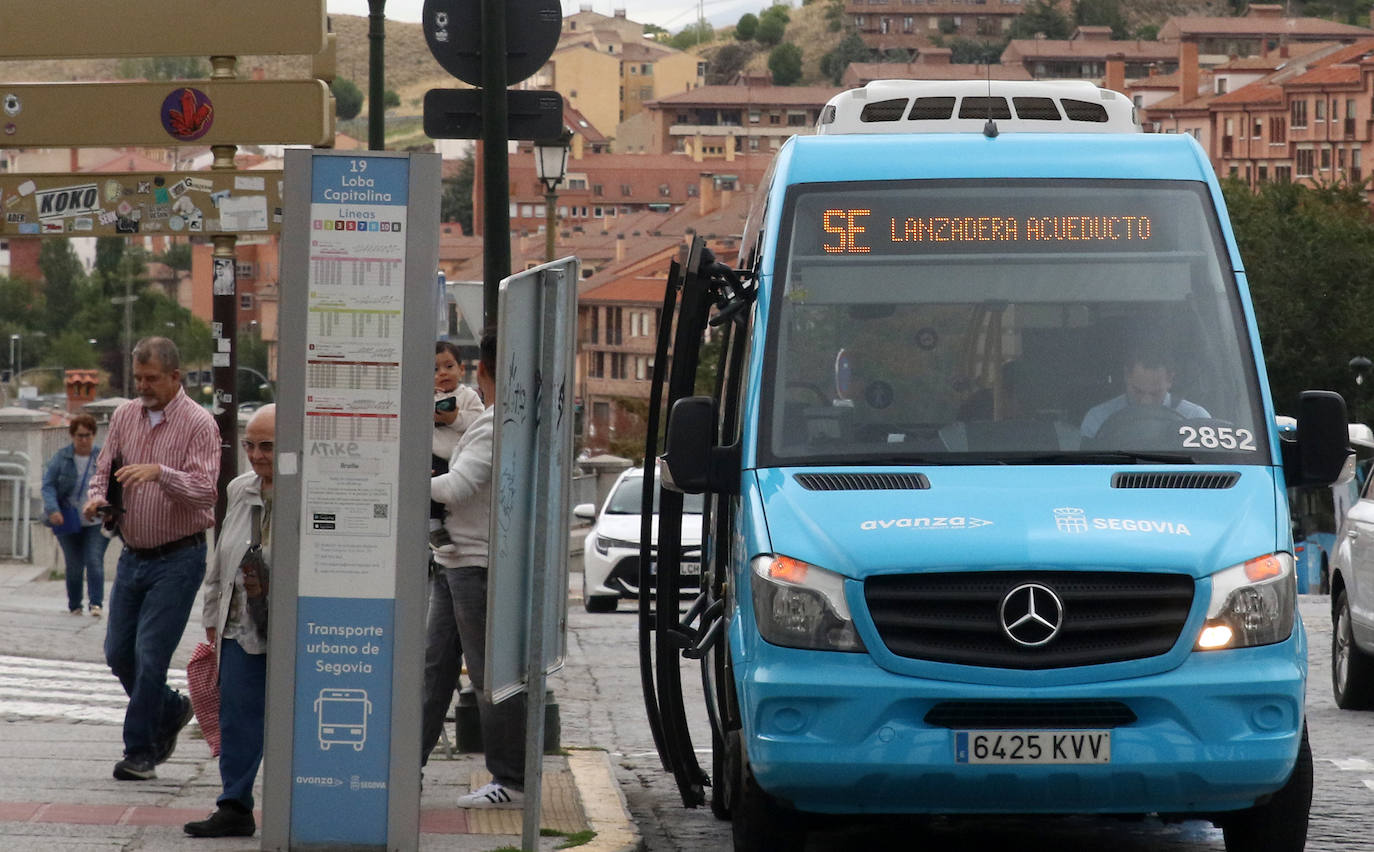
(32, 688)
(1351, 764)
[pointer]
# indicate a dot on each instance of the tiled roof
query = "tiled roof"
(1181, 104)
(1334, 74)
(644, 174)
(1197, 25)
(793, 96)
(573, 118)
(1019, 49)
(1259, 92)
(865, 72)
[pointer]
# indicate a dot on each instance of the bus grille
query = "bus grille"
(1107, 617)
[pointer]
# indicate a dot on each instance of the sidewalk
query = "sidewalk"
(56, 788)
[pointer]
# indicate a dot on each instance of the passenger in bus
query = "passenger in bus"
(1149, 375)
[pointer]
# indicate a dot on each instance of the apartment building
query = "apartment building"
(1083, 56)
(595, 49)
(911, 24)
(1262, 29)
(1300, 113)
(931, 63)
(726, 121)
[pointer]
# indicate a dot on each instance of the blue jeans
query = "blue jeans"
(150, 604)
(458, 606)
(242, 715)
(84, 555)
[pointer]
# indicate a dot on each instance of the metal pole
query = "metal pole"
(128, 335)
(550, 222)
(376, 75)
(495, 167)
(225, 312)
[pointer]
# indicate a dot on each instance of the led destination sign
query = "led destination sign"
(858, 231)
(983, 217)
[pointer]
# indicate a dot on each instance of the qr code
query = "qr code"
(379, 510)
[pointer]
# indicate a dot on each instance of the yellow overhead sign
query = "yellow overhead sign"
(69, 29)
(103, 204)
(194, 112)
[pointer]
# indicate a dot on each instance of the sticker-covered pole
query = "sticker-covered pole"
(225, 325)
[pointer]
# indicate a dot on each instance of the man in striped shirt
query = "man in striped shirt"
(165, 452)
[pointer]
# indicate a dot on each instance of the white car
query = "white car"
(610, 555)
(1352, 581)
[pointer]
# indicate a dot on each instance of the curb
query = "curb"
(603, 802)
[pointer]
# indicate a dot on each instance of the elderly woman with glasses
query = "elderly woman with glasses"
(64, 492)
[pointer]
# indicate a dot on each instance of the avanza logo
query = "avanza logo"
(955, 522)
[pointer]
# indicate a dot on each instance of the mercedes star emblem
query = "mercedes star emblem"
(1032, 614)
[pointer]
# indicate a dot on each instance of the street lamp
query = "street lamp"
(550, 163)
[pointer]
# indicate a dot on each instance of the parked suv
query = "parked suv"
(1352, 583)
(610, 556)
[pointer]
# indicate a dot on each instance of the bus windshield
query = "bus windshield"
(957, 322)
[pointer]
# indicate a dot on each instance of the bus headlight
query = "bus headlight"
(799, 605)
(1252, 604)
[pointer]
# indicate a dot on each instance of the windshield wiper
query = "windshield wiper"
(1112, 457)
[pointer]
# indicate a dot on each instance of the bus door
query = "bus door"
(702, 295)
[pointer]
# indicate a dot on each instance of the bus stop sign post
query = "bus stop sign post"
(527, 585)
(360, 246)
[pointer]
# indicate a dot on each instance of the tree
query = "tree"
(972, 51)
(785, 62)
(693, 35)
(851, 49)
(348, 98)
(655, 32)
(19, 306)
(455, 205)
(778, 11)
(62, 274)
(770, 30)
(178, 256)
(1309, 255)
(727, 62)
(1041, 16)
(108, 252)
(747, 26)
(391, 100)
(1102, 13)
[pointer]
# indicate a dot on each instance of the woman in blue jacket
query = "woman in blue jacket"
(64, 486)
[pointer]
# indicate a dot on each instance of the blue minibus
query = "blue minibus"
(995, 502)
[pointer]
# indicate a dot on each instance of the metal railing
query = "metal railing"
(14, 472)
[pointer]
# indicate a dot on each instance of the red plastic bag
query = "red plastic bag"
(201, 678)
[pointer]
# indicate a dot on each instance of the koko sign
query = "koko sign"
(68, 201)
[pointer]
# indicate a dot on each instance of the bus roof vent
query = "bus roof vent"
(1205, 480)
(863, 481)
(965, 106)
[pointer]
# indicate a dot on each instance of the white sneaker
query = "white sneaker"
(492, 795)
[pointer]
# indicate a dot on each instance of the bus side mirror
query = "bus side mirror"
(1319, 455)
(691, 462)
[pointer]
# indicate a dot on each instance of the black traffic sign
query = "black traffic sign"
(457, 114)
(453, 31)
